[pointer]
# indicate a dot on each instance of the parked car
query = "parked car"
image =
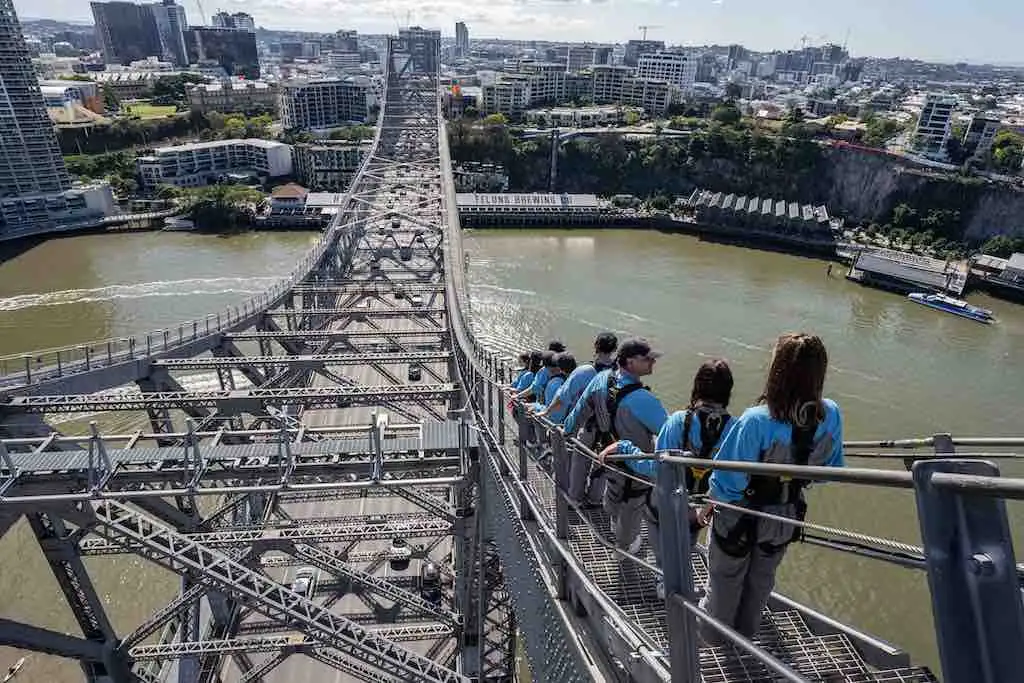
(399, 554)
(415, 373)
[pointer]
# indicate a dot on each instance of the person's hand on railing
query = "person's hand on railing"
(705, 514)
(610, 449)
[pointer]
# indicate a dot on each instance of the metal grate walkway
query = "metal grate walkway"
(784, 634)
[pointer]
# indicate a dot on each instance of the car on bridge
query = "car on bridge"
(416, 300)
(415, 373)
(430, 582)
(305, 581)
(399, 554)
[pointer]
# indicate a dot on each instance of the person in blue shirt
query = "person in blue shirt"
(580, 490)
(792, 424)
(563, 364)
(699, 429)
(534, 360)
(540, 379)
(524, 367)
(615, 405)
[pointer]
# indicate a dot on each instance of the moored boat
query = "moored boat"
(943, 302)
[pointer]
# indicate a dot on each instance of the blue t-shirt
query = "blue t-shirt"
(524, 380)
(644, 405)
(754, 433)
(670, 438)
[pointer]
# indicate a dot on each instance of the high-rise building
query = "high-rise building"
(232, 49)
(635, 48)
(345, 41)
(934, 126)
(126, 32)
(326, 103)
(678, 69)
(171, 25)
(35, 188)
(240, 21)
(980, 133)
(461, 39)
(424, 46)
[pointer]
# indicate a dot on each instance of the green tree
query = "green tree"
(1008, 151)
(495, 120)
(631, 118)
(733, 91)
(727, 114)
(470, 112)
(110, 99)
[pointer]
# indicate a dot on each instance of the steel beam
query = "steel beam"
(26, 637)
(251, 400)
(335, 335)
(181, 554)
(417, 312)
(306, 359)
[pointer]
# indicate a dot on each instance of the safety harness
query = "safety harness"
(624, 486)
(769, 490)
(712, 426)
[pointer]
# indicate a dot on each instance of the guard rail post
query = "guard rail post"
(677, 565)
(972, 576)
(559, 454)
(523, 424)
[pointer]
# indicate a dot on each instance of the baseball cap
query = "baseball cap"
(631, 348)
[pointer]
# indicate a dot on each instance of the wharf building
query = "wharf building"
(326, 103)
(36, 192)
(477, 210)
(934, 125)
(762, 214)
(229, 96)
(479, 176)
(293, 206)
(1003, 277)
(328, 165)
(197, 164)
(902, 272)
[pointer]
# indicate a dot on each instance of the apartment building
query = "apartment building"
(509, 96)
(199, 163)
(36, 193)
(676, 68)
(326, 103)
(980, 133)
(328, 165)
(934, 126)
(231, 96)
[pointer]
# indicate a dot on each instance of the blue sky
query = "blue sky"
(982, 30)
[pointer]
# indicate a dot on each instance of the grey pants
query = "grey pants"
(581, 489)
(627, 519)
(738, 588)
(654, 529)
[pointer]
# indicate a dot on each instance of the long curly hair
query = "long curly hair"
(796, 379)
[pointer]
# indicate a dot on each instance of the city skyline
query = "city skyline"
(941, 31)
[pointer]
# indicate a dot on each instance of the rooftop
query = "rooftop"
(530, 200)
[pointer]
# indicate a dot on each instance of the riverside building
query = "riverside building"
(199, 163)
(36, 192)
(326, 103)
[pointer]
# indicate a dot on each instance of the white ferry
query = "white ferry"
(958, 307)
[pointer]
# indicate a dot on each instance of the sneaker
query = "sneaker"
(659, 588)
(635, 546)
(530, 444)
(546, 459)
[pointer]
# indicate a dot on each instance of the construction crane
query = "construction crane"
(644, 29)
(202, 13)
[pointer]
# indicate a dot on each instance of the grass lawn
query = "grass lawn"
(148, 111)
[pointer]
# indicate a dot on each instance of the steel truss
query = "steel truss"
(246, 400)
(185, 555)
(256, 470)
(306, 359)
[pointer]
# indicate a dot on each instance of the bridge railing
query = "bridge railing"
(25, 369)
(974, 581)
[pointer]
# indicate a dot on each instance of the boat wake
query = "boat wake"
(196, 286)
